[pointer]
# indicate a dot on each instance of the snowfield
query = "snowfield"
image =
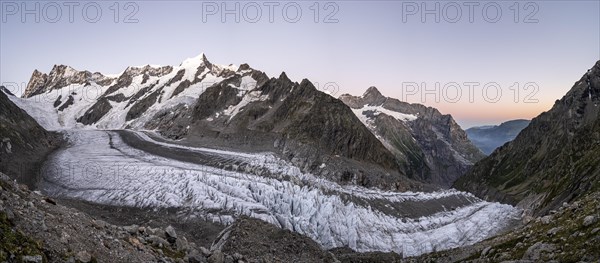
(376, 110)
(100, 167)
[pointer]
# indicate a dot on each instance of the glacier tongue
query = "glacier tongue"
(100, 167)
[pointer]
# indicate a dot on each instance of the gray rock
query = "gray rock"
(537, 250)
(171, 234)
(153, 231)
(157, 241)
(595, 230)
(4, 177)
(216, 257)
(485, 251)
(99, 224)
(10, 216)
(589, 220)
(205, 251)
(546, 220)
(181, 244)
(84, 256)
(132, 229)
(33, 259)
(195, 257)
(553, 231)
(237, 256)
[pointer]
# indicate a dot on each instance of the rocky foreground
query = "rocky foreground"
(34, 228)
(569, 234)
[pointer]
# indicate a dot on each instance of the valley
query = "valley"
(219, 186)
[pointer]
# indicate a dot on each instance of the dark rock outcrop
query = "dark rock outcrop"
(24, 144)
(96, 112)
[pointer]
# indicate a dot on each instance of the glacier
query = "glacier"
(99, 166)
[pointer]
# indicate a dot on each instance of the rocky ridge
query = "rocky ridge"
(24, 144)
(430, 146)
(552, 161)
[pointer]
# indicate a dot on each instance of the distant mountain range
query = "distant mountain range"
(489, 137)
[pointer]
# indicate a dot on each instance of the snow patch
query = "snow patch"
(376, 110)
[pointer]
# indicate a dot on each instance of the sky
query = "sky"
(483, 62)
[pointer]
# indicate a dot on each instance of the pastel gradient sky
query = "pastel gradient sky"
(373, 43)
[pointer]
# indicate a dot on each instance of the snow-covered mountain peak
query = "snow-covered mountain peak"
(373, 97)
(134, 96)
(63, 70)
(195, 62)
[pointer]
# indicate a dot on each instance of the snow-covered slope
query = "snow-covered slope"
(100, 167)
(129, 100)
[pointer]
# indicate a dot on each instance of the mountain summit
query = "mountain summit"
(430, 146)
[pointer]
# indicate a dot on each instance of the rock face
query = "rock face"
(260, 242)
(488, 138)
(237, 108)
(553, 160)
(24, 144)
(430, 146)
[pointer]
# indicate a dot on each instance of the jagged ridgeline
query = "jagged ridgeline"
(553, 160)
